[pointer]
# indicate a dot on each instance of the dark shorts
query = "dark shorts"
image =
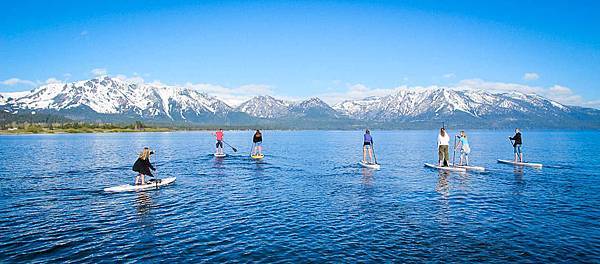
(219, 144)
(367, 144)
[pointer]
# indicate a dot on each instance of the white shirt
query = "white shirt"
(443, 141)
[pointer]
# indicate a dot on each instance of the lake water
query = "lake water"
(307, 201)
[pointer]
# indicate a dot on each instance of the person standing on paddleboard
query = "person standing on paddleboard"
(219, 135)
(143, 166)
(367, 145)
(442, 141)
(517, 145)
(465, 149)
(257, 140)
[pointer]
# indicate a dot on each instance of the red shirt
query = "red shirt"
(219, 135)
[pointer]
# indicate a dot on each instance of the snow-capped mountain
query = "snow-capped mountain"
(113, 99)
(112, 96)
(313, 107)
(441, 103)
(271, 108)
(265, 107)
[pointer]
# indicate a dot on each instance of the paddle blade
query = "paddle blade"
(234, 149)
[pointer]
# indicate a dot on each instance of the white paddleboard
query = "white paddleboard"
(535, 165)
(475, 168)
(370, 165)
(445, 168)
(149, 185)
(219, 155)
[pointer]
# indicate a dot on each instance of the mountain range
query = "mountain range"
(106, 99)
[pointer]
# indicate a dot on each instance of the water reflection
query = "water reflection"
(143, 203)
(442, 186)
(367, 176)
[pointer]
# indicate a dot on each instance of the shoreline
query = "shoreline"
(165, 129)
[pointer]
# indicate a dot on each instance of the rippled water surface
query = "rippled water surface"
(307, 201)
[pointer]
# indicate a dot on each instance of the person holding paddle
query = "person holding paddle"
(257, 140)
(219, 135)
(367, 145)
(443, 141)
(465, 149)
(517, 142)
(143, 166)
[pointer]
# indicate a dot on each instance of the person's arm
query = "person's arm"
(150, 164)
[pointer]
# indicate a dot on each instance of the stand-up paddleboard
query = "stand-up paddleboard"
(257, 156)
(374, 166)
(152, 184)
(535, 165)
(220, 155)
(475, 168)
(449, 168)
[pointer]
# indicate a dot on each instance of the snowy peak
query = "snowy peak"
(313, 107)
(269, 107)
(444, 102)
(114, 99)
(107, 95)
(265, 107)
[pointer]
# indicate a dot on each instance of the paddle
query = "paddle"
(373, 149)
(234, 149)
(454, 151)
(252, 149)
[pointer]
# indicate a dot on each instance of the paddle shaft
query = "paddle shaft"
(234, 149)
(373, 149)
(454, 151)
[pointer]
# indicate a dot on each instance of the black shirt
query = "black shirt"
(517, 139)
(143, 166)
(257, 138)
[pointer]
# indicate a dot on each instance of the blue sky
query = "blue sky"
(297, 50)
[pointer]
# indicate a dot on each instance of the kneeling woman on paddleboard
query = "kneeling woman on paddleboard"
(367, 144)
(442, 142)
(142, 166)
(257, 140)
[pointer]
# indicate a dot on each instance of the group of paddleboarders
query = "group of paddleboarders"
(463, 146)
(443, 142)
(144, 168)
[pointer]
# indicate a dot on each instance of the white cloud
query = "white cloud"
(52, 80)
(531, 76)
(561, 94)
(232, 95)
(356, 91)
(134, 79)
(449, 75)
(84, 33)
(17, 81)
(99, 72)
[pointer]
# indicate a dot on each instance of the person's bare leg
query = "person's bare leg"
(467, 160)
(521, 156)
(364, 154)
(516, 157)
(143, 180)
(371, 155)
(259, 150)
(137, 178)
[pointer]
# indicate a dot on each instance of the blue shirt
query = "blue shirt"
(368, 138)
(464, 141)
